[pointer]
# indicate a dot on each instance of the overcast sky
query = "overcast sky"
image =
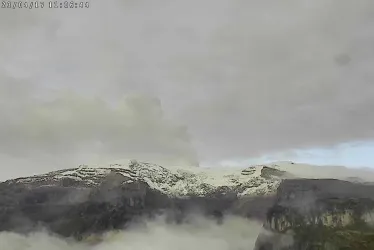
(182, 82)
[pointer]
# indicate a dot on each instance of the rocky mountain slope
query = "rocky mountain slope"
(320, 214)
(87, 201)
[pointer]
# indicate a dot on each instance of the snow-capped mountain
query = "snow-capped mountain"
(285, 196)
(172, 181)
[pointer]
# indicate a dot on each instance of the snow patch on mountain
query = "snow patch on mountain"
(173, 181)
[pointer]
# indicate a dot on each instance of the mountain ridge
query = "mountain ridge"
(173, 181)
(84, 201)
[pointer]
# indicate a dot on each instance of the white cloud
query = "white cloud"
(235, 233)
(74, 130)
(246, 77)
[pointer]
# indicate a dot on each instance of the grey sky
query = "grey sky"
(183, 81)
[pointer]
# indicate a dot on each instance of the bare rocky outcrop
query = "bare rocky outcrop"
(320, 214)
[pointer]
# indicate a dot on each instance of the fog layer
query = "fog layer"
(199, 234)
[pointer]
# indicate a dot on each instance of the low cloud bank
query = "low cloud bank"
(199, 234)
(329, 172)
(304, 170)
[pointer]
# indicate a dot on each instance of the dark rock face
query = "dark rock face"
(320, 214)
(70, 211)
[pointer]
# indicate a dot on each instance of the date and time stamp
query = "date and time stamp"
(44, 4)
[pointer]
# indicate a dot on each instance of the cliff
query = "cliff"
(320, 214)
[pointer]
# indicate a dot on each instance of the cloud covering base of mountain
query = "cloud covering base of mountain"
(199, 234)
